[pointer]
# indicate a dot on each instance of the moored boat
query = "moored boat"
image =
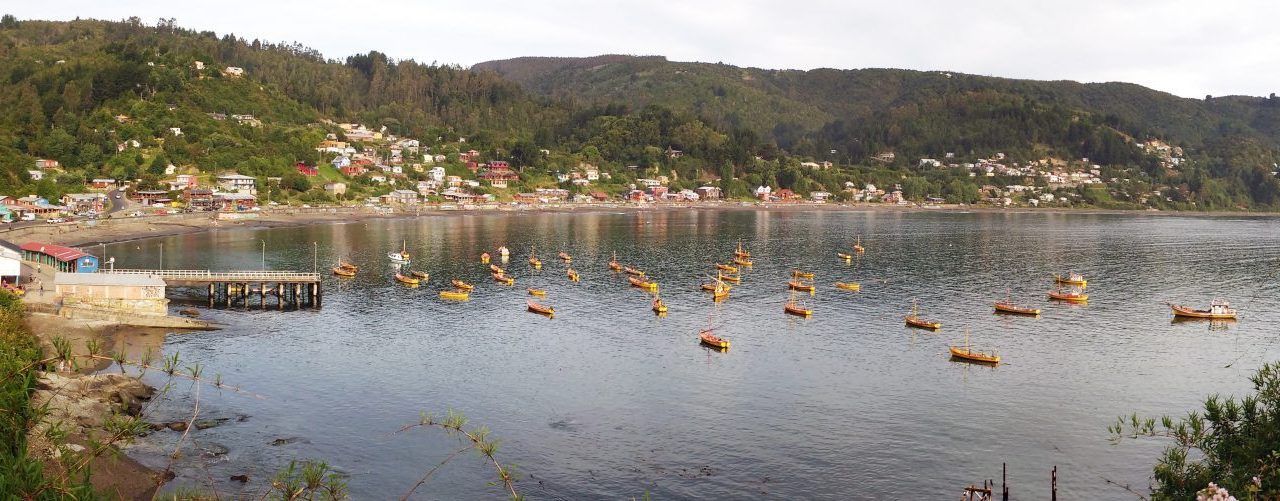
(454, 294)
(614, 265)
(407, 280)
(541, 309)
(801, 274)
(849, 286)
(537, 292)
(706, 337)
(535, 262)
(460, 285)
(1218, 310)
(743, 261)
(402, 256)
(496, 269)
(969, 354)
(740, 252)
(913, 319)
(794, 307)
(726, 267)
(422, 275)
(1007, 306)
(1070, 296)
(573, 275)
(734, 279)
(344, 272)
(347, 265)
(797, 285)
(503, 279)
(1072, 278)
(642, 283)
(632, 271)
(846, 257)
(658, 306)
(484, 258)
(857, 247)
(564, 256)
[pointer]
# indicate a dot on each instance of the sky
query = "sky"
(1186, 47)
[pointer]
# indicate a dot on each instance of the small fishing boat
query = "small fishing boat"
(801, 274)
(913, 319)
(402, 256)
(968, 354)
(573, 275)
(504, 252)
(794, 307)
(614, 265)
(564, 256)
(1218, 310)
(742, 253)
(344, 272)
(857, 247)
(1070, 296)
(537, 292)
(407, 280)
(632, 271)
(541, 309)
(347, 265)
(658, 306)
(798, 285)
(845, 257)
(503, 279)
(849, 286)
(643, 284)
(727, 267)
(742, 261)
(1072, 278)
(484, 258)
(1007, 306)
(533, 259)
(734, 279)
(462, 286)
(455, 294)
(421, 275)
(706, 337)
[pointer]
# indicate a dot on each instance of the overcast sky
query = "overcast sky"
(1186, 47)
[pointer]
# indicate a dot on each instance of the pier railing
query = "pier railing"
(223, 276)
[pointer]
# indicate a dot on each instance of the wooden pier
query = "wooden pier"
(289, 288)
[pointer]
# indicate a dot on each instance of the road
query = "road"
(115, 201)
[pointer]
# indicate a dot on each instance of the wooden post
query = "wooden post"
(1004, 480)
(1054, 484)
(211, 294)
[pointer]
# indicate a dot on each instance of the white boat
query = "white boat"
(399, 257)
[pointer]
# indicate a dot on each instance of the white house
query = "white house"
(238, 183)
(437, 173)
(233, 71)
(36, 175)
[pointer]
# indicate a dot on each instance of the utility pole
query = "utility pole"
(264, 254)
(315, 257)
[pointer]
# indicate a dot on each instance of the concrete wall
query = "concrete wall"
(153, 306)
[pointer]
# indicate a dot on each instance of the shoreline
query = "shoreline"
(83, 234)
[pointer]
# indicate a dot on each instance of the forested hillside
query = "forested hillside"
(126, 99)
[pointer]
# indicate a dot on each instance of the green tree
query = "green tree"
(1233, 443)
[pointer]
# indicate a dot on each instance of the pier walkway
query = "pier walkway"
(238, 286)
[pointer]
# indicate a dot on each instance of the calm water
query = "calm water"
(608, 401)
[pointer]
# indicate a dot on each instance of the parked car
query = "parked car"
(55, 220)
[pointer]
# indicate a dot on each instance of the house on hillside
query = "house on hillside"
(84, 202)
(103, 183)
(708, 192)
(238, 183)
(233, 71)
(335, 188)
(36, 175)
(44, 163)
(401, 197)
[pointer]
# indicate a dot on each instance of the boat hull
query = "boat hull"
(713, 341)
(1016, 310)
(344, 272)
(921, 323)
(541, 309)
(456, 295)
(795, 286)
(635, 282)
(537, 292)
(797, 311)
(849, 286)
(1070, 298)
(406, 280)
(969, 355)
(1188, 312)
(460, 285)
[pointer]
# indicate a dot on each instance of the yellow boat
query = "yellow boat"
(726, 267)
(1218, 310)
(742, 261)
(801, 274)
(535, 263)
(484, 258)
(460, 285)
(793, 307)
(849, 286)
(712, 340)
(735, 279)
(422, 275)
(857, 247)
(741, 252)
(632, 271)
(541, 309)
(537, 292)
(614, 265)
(496, 269)
(658, 306)
(1071, 279)
(845, 257)
(503, 279)
(564, 256)
(1071, 296)
(1007, 306)
(913, 320)
(407, 280)
(643, 284)
(573, 275)
(454, 294)
(797, 285)
(968, 354)
(344, 272)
